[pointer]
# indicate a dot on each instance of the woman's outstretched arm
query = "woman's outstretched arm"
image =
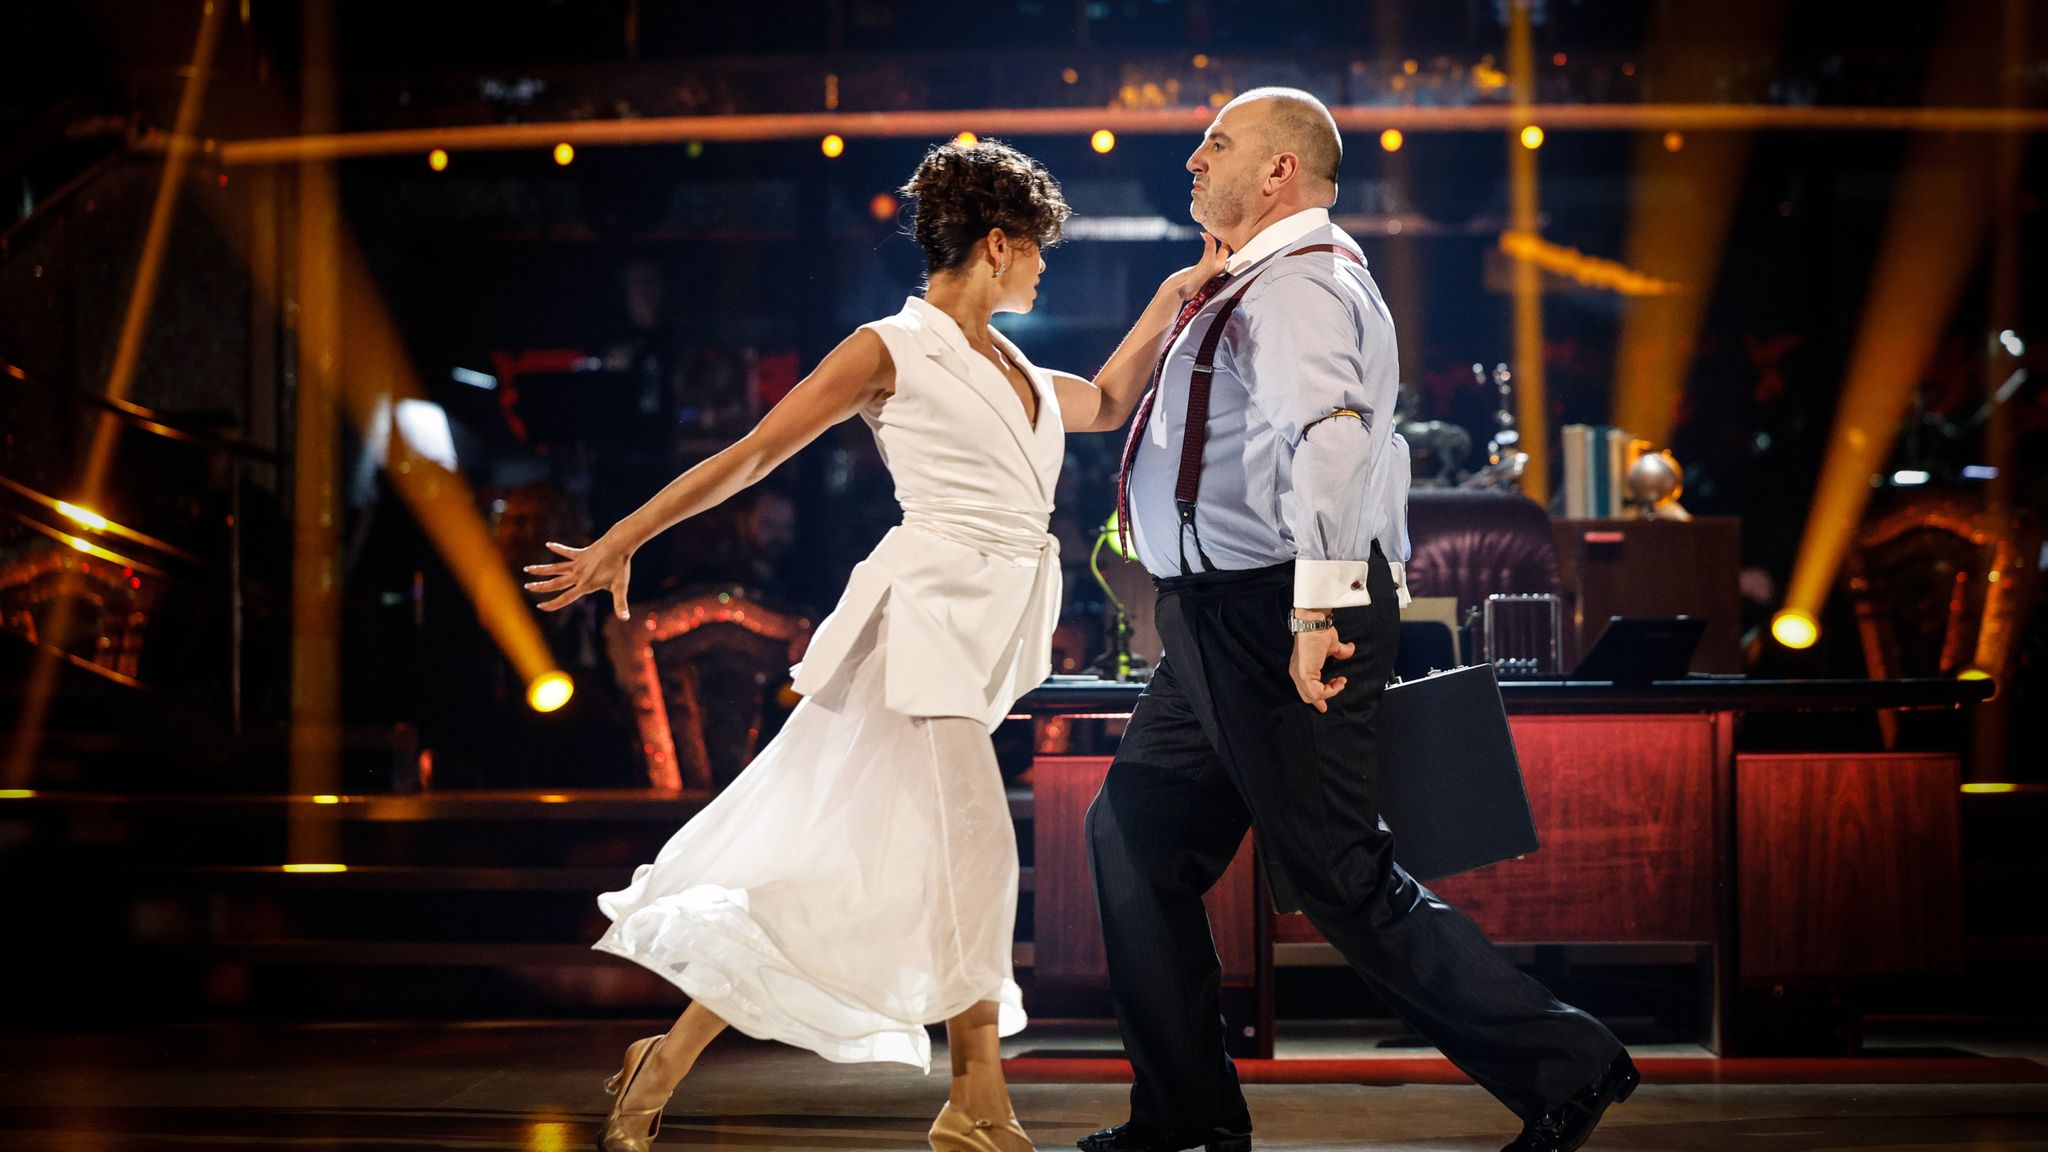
(852, 376)
(1104, 403)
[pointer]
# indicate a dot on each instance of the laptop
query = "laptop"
(1639, 649)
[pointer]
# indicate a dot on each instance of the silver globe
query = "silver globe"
(1655, 480)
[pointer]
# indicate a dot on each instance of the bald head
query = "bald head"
(1290, 120)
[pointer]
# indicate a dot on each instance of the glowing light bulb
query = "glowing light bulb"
(1795, 629)
(549, 691)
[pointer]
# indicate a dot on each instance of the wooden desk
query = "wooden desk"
(1829, 866)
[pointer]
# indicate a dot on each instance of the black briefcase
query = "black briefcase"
(1448, 781)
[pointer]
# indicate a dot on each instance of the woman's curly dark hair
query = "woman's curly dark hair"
(965, 190)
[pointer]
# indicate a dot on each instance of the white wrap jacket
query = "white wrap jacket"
(961, 598)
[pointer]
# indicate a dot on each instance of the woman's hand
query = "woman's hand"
(1189, 280)
(605, 565)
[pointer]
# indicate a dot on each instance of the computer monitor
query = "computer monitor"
(1639, 649)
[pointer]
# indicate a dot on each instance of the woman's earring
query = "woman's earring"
(999, 271)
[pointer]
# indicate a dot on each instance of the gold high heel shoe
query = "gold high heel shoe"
(955, 1131)
(634, 1130)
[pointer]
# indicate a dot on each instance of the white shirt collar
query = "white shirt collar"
(1277, 235)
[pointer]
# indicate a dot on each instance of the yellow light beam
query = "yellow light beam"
(25, 742)
(1369, 119)
(315, 733)
(1531, 412)
(100, 524)
(1681, 203)
(156, 240)
(1938, 219)
(369, 383)
(1592, 271)
(379, 375)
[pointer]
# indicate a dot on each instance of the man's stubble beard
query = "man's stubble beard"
(1224, 208)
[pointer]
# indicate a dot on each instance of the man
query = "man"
(1276, 542)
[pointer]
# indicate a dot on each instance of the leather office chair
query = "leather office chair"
(1472, 544)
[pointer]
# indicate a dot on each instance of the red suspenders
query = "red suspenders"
(1195, 435)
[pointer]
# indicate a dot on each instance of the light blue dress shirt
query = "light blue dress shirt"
(1282, 477)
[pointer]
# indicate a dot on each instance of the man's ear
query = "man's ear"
(1286, 166)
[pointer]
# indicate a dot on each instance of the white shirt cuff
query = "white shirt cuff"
(1340, 583)
(1330, 584)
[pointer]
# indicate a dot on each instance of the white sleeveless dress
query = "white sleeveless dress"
(858, 880)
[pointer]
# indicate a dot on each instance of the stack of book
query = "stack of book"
(1596, 460)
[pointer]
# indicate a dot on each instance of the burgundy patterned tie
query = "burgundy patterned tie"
(1123, 477)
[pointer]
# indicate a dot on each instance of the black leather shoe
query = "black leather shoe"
(1566, 1127)
(1142, 1138)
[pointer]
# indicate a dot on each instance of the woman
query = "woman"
(859, 879)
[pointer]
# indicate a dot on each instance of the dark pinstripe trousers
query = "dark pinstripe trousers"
(1219, 742)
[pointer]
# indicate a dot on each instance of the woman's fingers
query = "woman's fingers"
(547, 569)
(619, 585)
(565, 550)
(562, 601)
(554, 585)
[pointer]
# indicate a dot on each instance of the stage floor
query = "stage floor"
(533, 1087)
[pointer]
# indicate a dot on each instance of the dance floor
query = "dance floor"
(533, 1086)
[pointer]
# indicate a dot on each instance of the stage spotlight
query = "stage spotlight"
(1532, 137)
(17, 793)
(549, 691)
(315, 868)
(1909, 478)
(1560, 59)
(1794, 629)
(882, 207)
(832, 146)
(326, 798)
(1201, 59)
(1392, 139)
(564, 153)
(1103, 140)
(85, 516)
(1989, 788)
(438, 160)
(1070, 76)
(967, 140)
(1673, 141)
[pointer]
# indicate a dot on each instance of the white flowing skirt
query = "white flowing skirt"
(855, 883)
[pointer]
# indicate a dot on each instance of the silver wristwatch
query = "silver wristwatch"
(1296, 625)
